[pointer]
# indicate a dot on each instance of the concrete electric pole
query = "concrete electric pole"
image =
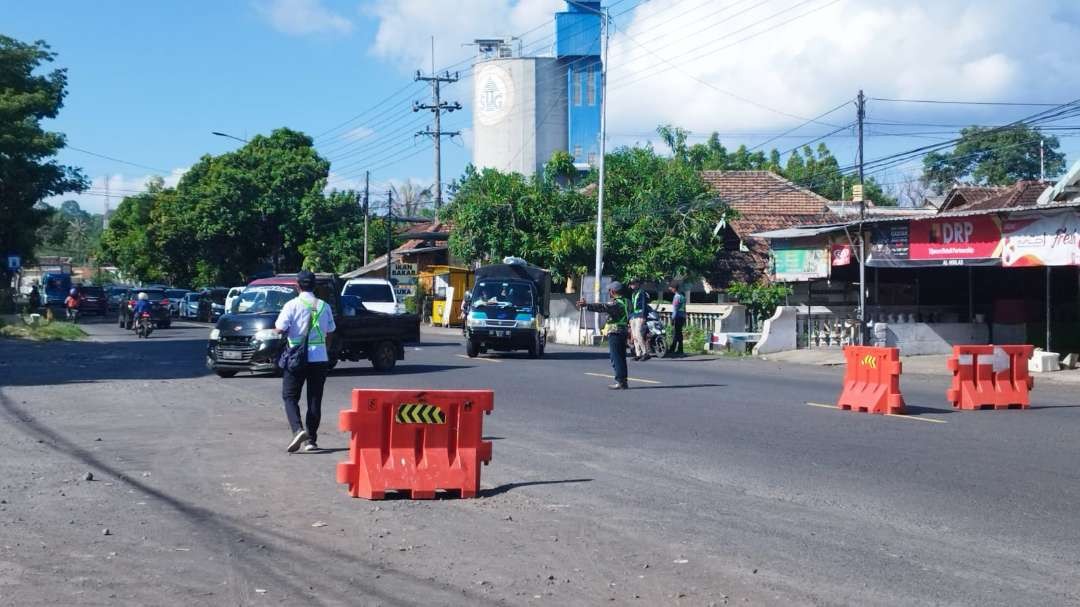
(367, 213)
(599, 262)
(861, 114)
(437, 107)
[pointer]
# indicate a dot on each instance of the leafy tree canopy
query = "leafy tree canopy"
(658, 218)
(28, 174)
(815, 169)
(260, 208)
(993, 156)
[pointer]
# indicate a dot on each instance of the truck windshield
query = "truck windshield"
(262, 299)
(517, 293)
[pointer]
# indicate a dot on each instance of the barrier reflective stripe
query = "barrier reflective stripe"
(871, 380)
(415, 441)
(990, 377)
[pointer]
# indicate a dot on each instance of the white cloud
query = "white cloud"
(302, 17)
(118, 186)
(890, 48)
(405, 28)
(360, 132)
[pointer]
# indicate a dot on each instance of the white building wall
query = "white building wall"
(519, 113)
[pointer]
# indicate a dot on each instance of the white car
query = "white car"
(233, 294)
(376, 294)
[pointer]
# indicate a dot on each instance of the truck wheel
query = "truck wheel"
(384, 357)
(225, 374)
(472, 348)
(534, 347)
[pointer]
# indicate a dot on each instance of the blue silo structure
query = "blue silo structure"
(577, 48)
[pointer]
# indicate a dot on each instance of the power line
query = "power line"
(951, 102)
(127, 162)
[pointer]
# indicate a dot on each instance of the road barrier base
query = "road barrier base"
(872, 381)
(989, 377)
(415, 442)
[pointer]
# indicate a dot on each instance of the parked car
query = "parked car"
(159, 307)
(189, 305)
(176, 296)
(212, 304)
(244, 340)
(116, 296)
(94, 300)
(377, 294)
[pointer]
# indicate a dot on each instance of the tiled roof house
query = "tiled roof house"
(764, 201)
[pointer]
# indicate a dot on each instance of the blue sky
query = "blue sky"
(149, 81)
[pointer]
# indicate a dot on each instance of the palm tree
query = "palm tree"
(410, 199)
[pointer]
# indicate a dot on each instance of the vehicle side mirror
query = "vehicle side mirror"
(351, 305)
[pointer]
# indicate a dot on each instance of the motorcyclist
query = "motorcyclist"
(72, 303)
(142, 305)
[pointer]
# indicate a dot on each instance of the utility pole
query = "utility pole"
(389, 233)
(603, 152)
(1042, 161)
(367, 213)
(437, 107)
(862, 217)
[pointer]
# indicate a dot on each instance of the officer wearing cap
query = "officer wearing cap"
(307, 315)
(618, 320)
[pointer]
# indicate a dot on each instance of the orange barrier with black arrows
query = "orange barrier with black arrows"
(871, 380)
(990, 377)
(415, 441)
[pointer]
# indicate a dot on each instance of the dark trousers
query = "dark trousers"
(676, 340)
(291, 384)
(617, 352)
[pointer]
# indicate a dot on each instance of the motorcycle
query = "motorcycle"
(144, 326)
(655, 333)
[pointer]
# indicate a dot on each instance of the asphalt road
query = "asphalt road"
(710, 482)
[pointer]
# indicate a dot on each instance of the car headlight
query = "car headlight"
(267, 335)
(215, 334)
(476, 322)
(526, 324)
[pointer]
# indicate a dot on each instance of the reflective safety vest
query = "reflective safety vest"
(320, 338)
(620, 323)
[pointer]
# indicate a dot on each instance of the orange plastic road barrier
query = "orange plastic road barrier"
(415, 441)
(990, 377)
(872, 380)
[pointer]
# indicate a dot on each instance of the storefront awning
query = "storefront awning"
(800, 232)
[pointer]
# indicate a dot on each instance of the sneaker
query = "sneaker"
(618, 387)
(297, 440)
(309, 447)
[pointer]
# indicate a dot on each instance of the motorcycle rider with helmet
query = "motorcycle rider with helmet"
(142, 305)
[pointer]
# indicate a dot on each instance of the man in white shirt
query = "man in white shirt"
(298, 316)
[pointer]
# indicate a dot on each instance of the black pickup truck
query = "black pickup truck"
(243, 339)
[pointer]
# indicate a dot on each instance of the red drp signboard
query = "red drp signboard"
(976, 237)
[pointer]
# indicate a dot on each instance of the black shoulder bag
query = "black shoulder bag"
(294, 358)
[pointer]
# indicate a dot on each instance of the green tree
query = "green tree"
(411, 199)
(130, 240)
(335, 226)
(993, 156)
(659, 218)
(28, 174)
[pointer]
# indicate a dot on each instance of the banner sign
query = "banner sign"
(889, 246)
(955, 239)
(403, 273)
(1044, 240)
(960, 241)
(841, 255)
(795, 265)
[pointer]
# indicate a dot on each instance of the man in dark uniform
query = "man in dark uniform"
(618, 320)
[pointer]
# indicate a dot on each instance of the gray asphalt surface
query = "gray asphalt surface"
(710, 482)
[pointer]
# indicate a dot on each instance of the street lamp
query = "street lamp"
(219, 134)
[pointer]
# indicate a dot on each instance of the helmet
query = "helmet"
(143, 296)
(73, 291)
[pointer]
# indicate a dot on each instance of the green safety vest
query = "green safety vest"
(620, 324)
(320, 338)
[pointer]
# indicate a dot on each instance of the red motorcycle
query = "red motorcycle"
(144, 325)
